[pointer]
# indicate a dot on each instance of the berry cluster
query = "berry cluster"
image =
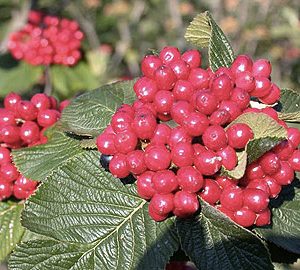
(173, 165)
(46, 40)
(22, 124)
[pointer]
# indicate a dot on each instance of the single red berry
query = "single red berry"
(5, 156)
(157, 158)
(26, 184)
(262, 67)
(53, 102)
(181, 69)
(211, 191)
(180, 110)
(7, 117)
(11, 100)
(240, 64)
(254, 171)
(262, 87)
(256, 199)
(198, 149)
(164, 181)
(270, 163)
(163, 101)
(30, 132)
(260, 184)
(225, 181)
(239, 135)
(244, 217)
(183, 90)
(169, 55)
(178, 134)
(231, 107)
(9, 172)
(195, 123)
(10, 134)
(182, 154)
(150, 64)
(229, 157)
(106, 143)
(221, 87)
(223, 70)
(274, 187)
(162, 204)
(121, 121)
(27, 110)
(165, 78)
(145, 186)
(118, 166)
(245, 81)
(294, 160)
(284, 150)
(47, 118)
(208, 162)
(156, 217)
(199, 78)
(20, 193)
(64, 104)
(214, 137)
(125, 141)
(294, 136)
(273, 96)
(161, 134)
(285, 175)
(189, 179)
(41, 101)
(144, 124)
(219, 117)
(6, 189)
(192, 57)
(185, 204)
(263, 218)
(206, 102)
(232, 198)
(145, 89)
(240, 97)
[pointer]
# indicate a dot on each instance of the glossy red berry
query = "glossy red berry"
(183, 90)
(274, 187)
(214, 137)
(245, 81)
(262, 87)
(164, 181)
(239, 135)
(232, 198)
(135, 162)
(244, 217)
(192, 57)
(294, 160)
(185, 204)
(263, 218)
(6, 190)
(121, 121)
(262, 67)
(163, 101)
(10, 134)
(30, 132)
(145, 186)
(181, 110)
(199, 78)
(229, 157)
(273, 96)
(161, 134)
(7, 117)
(221, 87)
(118, 166)
(211, 191)
(189, 179)
(294, 136)
(182, 154)
(41, 101)
(254, 171)
(106, 143)
(240, 97)
(5, 156)
(259, 184)
(205, 102)
(208, 162)
(26, 184)
(181, 69)
(145, 89)
(270, 163)
(157, 158)
(20, 193)
(47, 118)
(162, 204)
(125, 141)
(27, 110)
(240, 64)
(198, 149)
(178, 134)
(195, 123)
(165, 78)
(219, 117)
(224, 181)
(144, 124)
(285, 175)
(284, 150)
(9, 172)
(153, 214)
(169, 55)
(232, 108)
(11, 100)
(150, 64)
(256, 199)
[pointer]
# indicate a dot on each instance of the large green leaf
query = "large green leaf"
(204, 32)
(19, 77)
(212, 241)
(11, 231)
(289, 105)
(91, 112)
(96, 221)
(40, 161)
(284, 230)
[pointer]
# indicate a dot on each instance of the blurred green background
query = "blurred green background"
(118, 33)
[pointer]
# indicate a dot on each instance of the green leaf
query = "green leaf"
(267, 133)
(289, 105)
(96, 221)
(40, 161)
(239, 170)
(90, 113)
(19, 78)
(212, 241)
(204, 32)
(11, 231)
(284, 230)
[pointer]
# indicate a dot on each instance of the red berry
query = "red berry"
(64, 104)
(11, 100)
(262, 67)
(219, 117)
(270, 112)
(211, 191)
(192, 57)
(189, 179)
(7, 117)
(180, 110)
(178, 134)
(259, 184)
(163, 101)
(244, 217)
(273, 96)
(185, 204)
(125, 141)
(6, 190)
(145, 186)
(198, 149)
(9, 172)
(208, 162)
(199, 78)
(263, 218)
(205, 102)
(274, 187)
(20, 193)
(245, 81)
(285, 175)
(145, 89)
(240, 97)
(4, 155)
(118, 166)
(232, 198)
(53, 102)
(41, 101)
(270, 163)
(294, 136)
(10, 134)
(47, 118)
(239, 135)
(195, 123)
(164, 181)
(181, 69)
(25, 183)
(162, 204)
(240, 64)
(135, 162)
(262, 87)
(150, 64)
(169, 55)
(221, 87)
(182, 154)
(229, 157)
(30, 132)
(214, 137)
(157, 158)
(165, 78)
(121, 121)
(161, 134)
(183, 90)
(144, 124)
(156, 217)
(256, 199)
(105, 143)
(225, 181)
(27, 110)
(294, 160)
(231, 107)
(284, 150)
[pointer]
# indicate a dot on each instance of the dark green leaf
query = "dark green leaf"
(289, 105)
(204, 32)
(40, 161)
(90, 113)
(94, 215)
(11, 231)
(212, 241)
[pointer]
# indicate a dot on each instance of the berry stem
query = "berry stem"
(48, 83)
